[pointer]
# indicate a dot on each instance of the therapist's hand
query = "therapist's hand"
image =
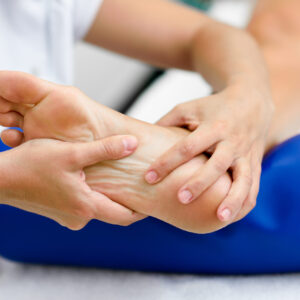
(232, 127)
(46, 177)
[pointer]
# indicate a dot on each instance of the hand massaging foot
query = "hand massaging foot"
(46, 110)
(267, 241)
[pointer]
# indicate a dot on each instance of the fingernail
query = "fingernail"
(151, 176)
(225, 214)
(185, 197)
(130, 143)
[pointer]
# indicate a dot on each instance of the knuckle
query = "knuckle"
(186, 149)
(108, 148)
(180, 116)
(237, 139)
(220, 126)
(220, 165)
(182, 119)
(162, 165)
(74, 156)
(248, 180)
(233, 203)
(239, 198)
(197, 186)
(236, 201)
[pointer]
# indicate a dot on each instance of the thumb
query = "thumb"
(112, 212)
(113, 147)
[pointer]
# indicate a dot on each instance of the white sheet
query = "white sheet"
(22, 282)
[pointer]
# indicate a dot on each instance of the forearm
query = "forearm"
(227, 56)
(276, 28)
(170, 35)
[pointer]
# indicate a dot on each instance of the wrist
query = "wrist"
(252, 90)
(258, 80)
(254, 99)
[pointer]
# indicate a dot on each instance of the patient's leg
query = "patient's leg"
(65, 113)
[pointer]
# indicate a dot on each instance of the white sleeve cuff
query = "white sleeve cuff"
(84, 15)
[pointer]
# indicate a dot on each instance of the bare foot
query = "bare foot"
(43, 109)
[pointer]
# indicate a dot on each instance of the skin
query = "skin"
(232, 124)
(285, 71)
(11, 136)
(281, 51)
(31, 181)
(185, 44)
(73, 117)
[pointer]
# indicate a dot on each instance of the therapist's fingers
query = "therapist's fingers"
(12, 137)
(108, 211)
(214, 168)
(195, 143)
(250, 202)
(240, 189)
(114, 147)
(7, 106)
(21, 87)
(11, 119)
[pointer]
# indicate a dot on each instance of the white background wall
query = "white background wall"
(106, 77)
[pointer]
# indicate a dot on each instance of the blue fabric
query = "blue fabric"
(267, 240)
